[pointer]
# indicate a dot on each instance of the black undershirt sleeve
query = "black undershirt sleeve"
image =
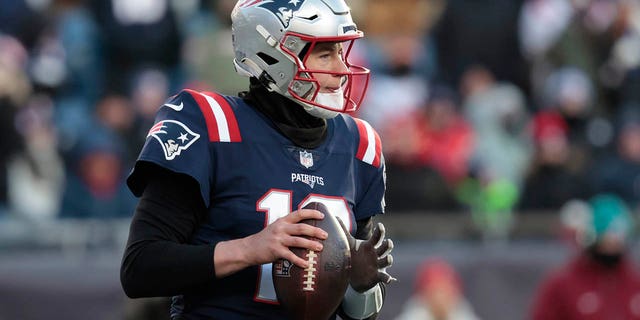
(157, 260)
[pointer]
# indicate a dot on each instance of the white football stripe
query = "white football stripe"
(221, 119)
(370, 154)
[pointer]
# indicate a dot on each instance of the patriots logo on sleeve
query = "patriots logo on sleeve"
(174, 137)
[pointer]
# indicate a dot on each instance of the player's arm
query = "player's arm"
(370, 256)
(157, 260)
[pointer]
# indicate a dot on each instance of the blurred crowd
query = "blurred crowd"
(438, 294)
(496, 107)
(598, 279)
(80, 82)
(486, 106)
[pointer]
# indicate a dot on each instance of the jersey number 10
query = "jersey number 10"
(277, 203)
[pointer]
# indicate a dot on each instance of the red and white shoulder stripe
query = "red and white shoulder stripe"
(369, 145)
(222, 125)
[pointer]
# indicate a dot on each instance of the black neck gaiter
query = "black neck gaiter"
(303, 129)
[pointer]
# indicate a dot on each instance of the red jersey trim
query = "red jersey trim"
(369, 146)
(222, 124)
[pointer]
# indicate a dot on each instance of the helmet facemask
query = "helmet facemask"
(305, 87)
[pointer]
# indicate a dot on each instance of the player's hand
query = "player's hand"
(369, 259)
(274, 241)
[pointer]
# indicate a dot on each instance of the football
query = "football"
(315, 293)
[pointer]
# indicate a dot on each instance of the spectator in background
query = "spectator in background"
(498, 113)
(569, 92)
(116, 113)
(575, 217)
(428, 153)
(95, 186)
(438, 295)
(36, 174)
(558, 33)
(551, 182)
(600, 282)
(15, 90)
(445, 138)
(619, 171)
(397, 89)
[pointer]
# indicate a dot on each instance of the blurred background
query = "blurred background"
(500, 121)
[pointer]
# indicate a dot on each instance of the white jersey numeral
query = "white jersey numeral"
(276, 204)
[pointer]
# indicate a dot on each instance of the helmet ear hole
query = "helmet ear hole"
(303, 88)
(269, 60)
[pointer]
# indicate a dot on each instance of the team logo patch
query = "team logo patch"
(283, 9)
(174, 137)
(306, 159)
(282, 268)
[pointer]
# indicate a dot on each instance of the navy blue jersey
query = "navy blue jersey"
(249, 176)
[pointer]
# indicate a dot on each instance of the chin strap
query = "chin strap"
(363, 305)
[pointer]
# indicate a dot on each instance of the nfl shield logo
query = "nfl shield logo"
(306, 159)
(282, 268)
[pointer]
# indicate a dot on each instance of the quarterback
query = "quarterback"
(221, 179)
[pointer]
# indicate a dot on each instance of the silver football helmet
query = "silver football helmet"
(272, 39)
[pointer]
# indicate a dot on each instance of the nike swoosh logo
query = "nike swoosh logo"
(175, 107)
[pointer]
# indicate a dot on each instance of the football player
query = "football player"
(221, 178)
